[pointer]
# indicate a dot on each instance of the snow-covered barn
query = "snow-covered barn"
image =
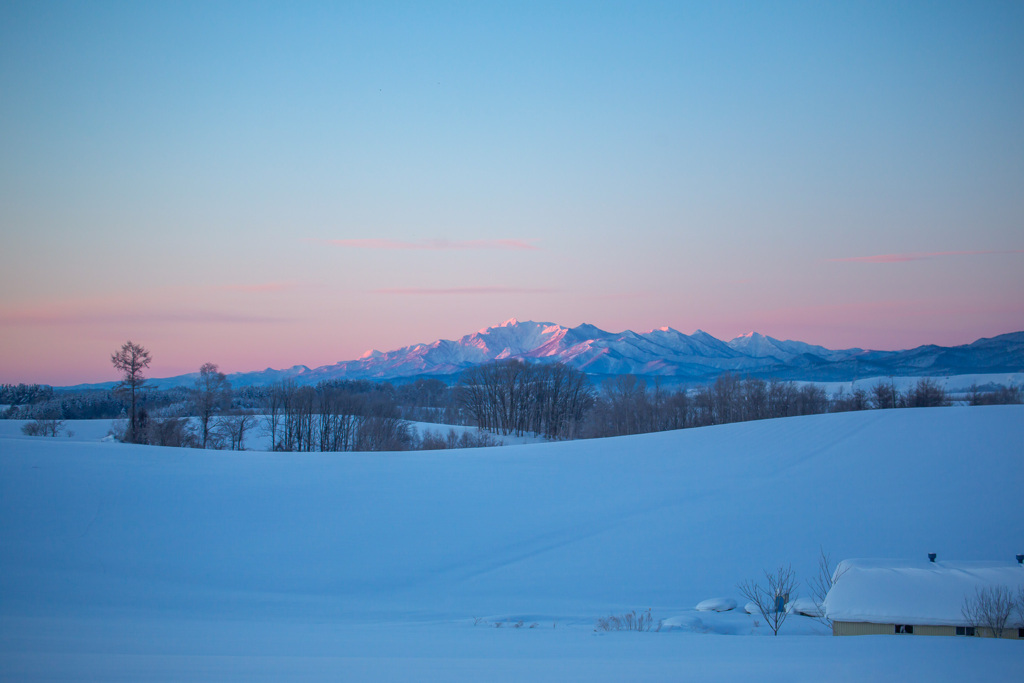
(875, 597)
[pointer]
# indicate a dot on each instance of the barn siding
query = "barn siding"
(865, 628)
(935, 630)
(861, 628)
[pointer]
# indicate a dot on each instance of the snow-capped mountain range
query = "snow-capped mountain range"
(664, 352)
(660, 352)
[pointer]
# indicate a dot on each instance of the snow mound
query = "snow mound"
(805, 607)
(716, 605)
(684, 622)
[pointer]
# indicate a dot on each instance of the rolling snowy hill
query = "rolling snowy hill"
(146, 563)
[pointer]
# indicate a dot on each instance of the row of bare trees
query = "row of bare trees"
(333, 416)
(514, 398)
(626, 405)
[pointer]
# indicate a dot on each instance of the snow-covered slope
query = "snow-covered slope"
(134, 561)
(103, 541)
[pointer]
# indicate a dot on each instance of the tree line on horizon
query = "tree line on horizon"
(502, 398)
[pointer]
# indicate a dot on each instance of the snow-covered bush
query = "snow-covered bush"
(44, 426)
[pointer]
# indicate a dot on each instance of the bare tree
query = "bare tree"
(170, 431)
(771, 598)
(211, 394)
(990, 608)
(927, 393)
(885, 395)
(234, 428)
(272, 406)
(130, 361)
(821, 584)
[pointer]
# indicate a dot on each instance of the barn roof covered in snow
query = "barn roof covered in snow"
(913, 592)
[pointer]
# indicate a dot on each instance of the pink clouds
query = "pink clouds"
(43, 317)
(434, 244)
(462, 290)
(261, 287)
(919, 256)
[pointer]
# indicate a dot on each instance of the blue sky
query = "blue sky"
(256, 184)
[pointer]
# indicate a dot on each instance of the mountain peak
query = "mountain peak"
(511, 322)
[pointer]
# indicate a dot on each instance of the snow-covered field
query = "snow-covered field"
(131, 563)
(957, 385)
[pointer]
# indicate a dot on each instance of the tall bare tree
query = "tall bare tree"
(130, 361)
(212, 393)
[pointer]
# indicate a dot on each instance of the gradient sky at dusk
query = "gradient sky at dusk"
(267, 184)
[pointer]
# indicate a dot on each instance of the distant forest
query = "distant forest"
(505, 398)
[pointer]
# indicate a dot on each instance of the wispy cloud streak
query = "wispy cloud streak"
(201, 317)
(461, 290)
(433, 245)
(261, 287)
(919, 256)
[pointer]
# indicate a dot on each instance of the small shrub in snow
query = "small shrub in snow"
(630, 621)
(43, 426)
